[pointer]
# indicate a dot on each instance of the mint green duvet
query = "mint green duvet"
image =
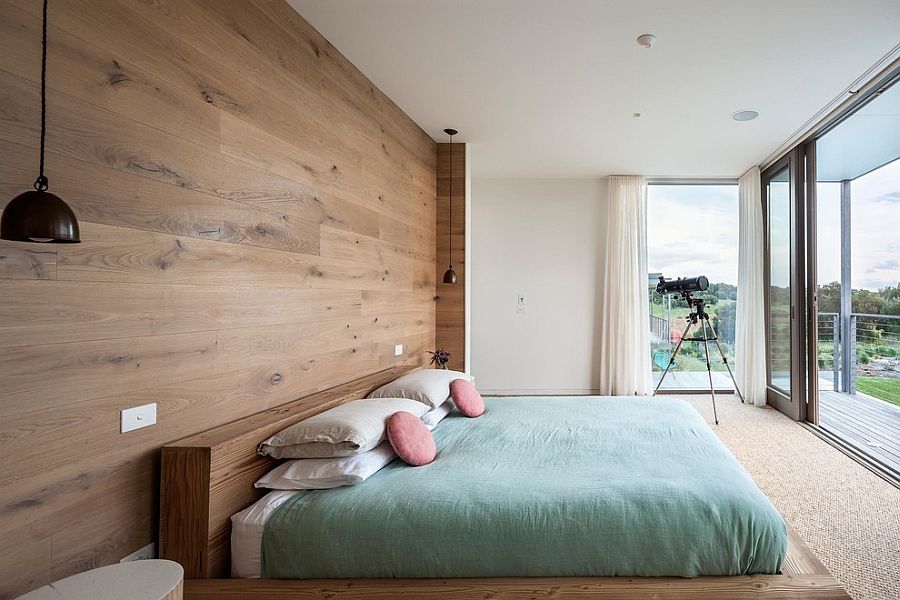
(574, 486)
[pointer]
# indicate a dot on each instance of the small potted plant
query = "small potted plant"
(439, 358)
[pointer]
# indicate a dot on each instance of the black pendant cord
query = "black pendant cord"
(41, 184)
(450, 199)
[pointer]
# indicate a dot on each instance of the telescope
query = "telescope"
(700, 318)
(682, 285)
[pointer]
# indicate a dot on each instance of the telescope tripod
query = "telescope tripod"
(699, 316)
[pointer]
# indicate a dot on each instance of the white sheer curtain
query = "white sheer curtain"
(750, 330)
(624, 344)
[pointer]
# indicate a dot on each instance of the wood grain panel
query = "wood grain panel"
(30, 316)
(33, 437)
(803, 579)
(756, 587)
(418, 240)
(27, 261)
(113, 254)
(209, 476)
(74, 372)
(81, 69)
(26, 566)
(85, 133)
(129, 200)
(208, 149)
(450, 307)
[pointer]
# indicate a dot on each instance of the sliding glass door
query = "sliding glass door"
(854, 191)
(785, 305)
(832, 278)
(779, 285)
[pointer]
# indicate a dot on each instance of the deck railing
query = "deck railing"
(871, 338)
(659, 329)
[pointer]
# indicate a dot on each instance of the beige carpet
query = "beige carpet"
(849, 516)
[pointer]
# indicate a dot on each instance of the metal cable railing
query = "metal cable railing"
(872, 348)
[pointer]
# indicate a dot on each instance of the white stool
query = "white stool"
(135, 580)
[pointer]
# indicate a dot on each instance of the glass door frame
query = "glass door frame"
(793, 404)
(807, 150)
(811, 402)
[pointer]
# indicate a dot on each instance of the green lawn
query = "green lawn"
(883, 388)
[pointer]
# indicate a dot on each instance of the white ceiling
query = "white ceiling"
(546, 88)
(868, 139)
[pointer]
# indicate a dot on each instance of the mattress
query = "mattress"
(577, 486)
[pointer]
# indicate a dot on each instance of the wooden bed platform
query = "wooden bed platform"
(208, 477)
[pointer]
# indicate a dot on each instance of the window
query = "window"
(692, 230)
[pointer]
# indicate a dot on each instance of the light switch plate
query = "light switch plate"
(138, 417)
(522, 299)
(398, 350)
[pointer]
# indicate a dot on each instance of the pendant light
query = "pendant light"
(37, 215)
(450, 274)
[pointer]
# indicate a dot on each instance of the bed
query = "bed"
(510, 504)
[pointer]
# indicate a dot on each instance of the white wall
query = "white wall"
(542, 238)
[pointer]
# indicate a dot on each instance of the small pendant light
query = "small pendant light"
(450, 274)
(38, 215)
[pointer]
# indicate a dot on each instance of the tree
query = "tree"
(724, 321)
(830, 297)
(867, 301)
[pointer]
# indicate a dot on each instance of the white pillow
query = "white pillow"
(430, 386)
(324, 473)
(436, 415)
(347, 429)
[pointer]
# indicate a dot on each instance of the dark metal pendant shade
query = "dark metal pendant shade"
(450, 276)
(39, 216)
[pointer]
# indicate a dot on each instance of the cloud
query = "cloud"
(692, 230)
(886, 265)
(889, 198)
(874, 284)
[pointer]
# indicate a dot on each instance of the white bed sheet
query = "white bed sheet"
(247, 529)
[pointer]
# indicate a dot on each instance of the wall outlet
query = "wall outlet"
(145, 553)
(398, 350)
(520, 308)
(138, 417)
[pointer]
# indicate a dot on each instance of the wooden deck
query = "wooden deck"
(694, 380)
(869, 424)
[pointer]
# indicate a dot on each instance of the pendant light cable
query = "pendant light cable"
(41, 184)
(450, 274)
(38, 215)
(450, 202)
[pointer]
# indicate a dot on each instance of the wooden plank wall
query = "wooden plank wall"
(450, 332)
(258, 223)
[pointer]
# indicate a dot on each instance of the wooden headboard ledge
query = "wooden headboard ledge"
(207, 477)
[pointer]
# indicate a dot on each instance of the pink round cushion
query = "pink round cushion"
(411, 439)
(466, 398)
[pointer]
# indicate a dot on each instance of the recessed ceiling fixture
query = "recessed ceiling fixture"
(450, 274)
(37, 215)
(744, 115)
(646, 40)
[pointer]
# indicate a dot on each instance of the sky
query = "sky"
(874, 229)
(693, 230)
